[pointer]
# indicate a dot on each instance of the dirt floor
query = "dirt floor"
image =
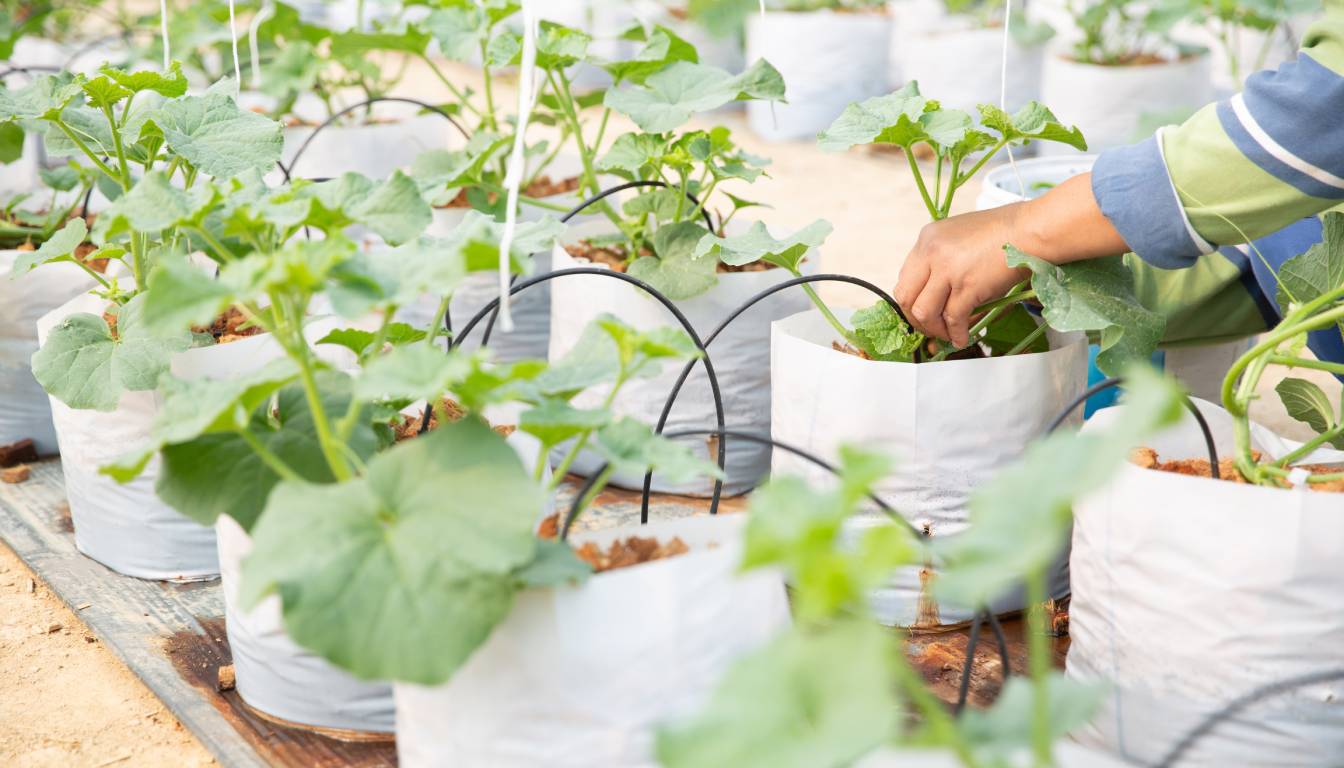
(66, 701)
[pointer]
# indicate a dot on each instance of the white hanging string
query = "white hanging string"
(253, 29)
(233, 37)
(1003, 90)
(513, 178)
(774, 118)
(163, 31)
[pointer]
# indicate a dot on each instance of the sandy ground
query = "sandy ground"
(66, 701)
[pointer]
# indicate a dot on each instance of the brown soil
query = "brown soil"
(1133, 60)
(409, 426)
(850, 350)
(65, 700)
(540, 187)
(15, 475)
(616, 256)
(230, 326)
(1147, 458)
(22, 452)
(634, 550)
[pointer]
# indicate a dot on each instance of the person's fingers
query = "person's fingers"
(927, 311)
(914, 275)
(957, 316)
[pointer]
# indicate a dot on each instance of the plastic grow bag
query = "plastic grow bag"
(740, 356)
(1189, 593)
(828, 60)
(125, 526)
(957, 62)
(949, 426)
(24, 409)
(581, 676)
(372, 149)
(1110, 104)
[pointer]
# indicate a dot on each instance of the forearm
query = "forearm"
(1065, 225)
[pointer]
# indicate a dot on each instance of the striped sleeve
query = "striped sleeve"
(1239, 169)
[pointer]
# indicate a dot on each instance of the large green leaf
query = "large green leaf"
(84, 366)
(43, 99)
(218, 473)
(11, 142)
(394, 209)
(1095, 296)
(890, 119)
(1032, 122)
(631, 447)
(675, 270)
(756, 244)
(1308, 403)
(419, 553)
(670, 97)
(217, 137)
(812, 697)
(1317, 271)
(1019, 520)
(881, 333)
(555, 421)
(153, 205)
(59, 247)
(659, 48)
(172, 84)
(416, 372)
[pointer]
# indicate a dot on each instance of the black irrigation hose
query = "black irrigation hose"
(750, 437)
(28, 70)
(576, 210)
(369, 102)
(1116, 381)
(1240, 703)
(1000, 640)
(493, 306)
(748, 304)
(984, 615)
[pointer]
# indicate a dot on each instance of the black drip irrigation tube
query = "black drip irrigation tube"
(576, 210)
(748, 304)
(28, 70)
(294, 161)
(493, 306)
(1242, 702)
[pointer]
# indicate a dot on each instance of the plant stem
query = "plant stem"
(121, 150)
(99, 164)
(268, 458)
(215, 245)
(562, 469)
(1298, 362)
(1306, 448)
(1028, 341)
(1038, 660)
(489, 117)
(457, 94)
(598, 485)
(291, 324)
(839, 327)
(978, 165)
(919, 181)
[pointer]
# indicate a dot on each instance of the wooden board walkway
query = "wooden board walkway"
(172, 635)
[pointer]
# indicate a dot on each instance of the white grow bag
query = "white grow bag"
(278, 678)
(1108, 103)
(740, 356)
(956, 62)
(828, 60)
(1189, 593)
(125, 526)
(581, 676)
(950, 426)
(374, 150)
(24, 409)
(281, 680)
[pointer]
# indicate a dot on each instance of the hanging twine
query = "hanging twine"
(163, 31)
(253, 29)
(233, 38)
(517, 166)
(1003, 91)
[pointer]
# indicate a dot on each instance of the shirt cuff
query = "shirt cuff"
(1135, 191)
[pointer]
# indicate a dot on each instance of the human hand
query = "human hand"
(956, 265)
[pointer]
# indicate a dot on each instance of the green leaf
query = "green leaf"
(1316, 272)
(661, 47)
(11, 144)
(394, 209)
(220, 474)
(217, 137)
(354, 44)
(460, 31)
(633, 153)
(172, 84)
(675, 270)
(359, 341)
(555, 421)
(812, 697)
(416, 372)
(59, 247)
(1096, 296)
(555, 564)
(1031, 122)
(1006, 727)
(43, 99)
(154, 204)
(103, 92)
(1012, 327)
(180, 295)
(756, 244)
(670, 97)
(631, 447)
(1019, 520)
(84, 366)
(594, 359)
(62, 178)
(1307, 402)
(423, 551)
(891, 119)
(881, 333)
